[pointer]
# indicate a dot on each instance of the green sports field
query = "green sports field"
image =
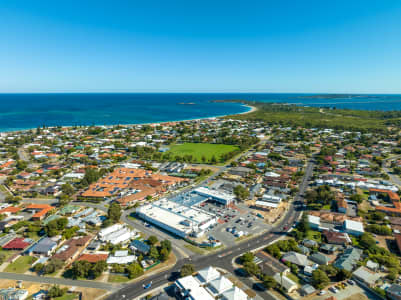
(197, 150)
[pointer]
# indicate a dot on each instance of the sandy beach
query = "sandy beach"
(252, 109)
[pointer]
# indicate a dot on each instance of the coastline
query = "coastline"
(251, 109)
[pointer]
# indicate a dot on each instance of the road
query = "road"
(60, 281)
(393, 178)
(22, 154)
(223, 259)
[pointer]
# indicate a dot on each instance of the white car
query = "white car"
(321, 293)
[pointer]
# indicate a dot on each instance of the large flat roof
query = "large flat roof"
(175, 215)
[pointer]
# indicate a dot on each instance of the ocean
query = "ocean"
(24, 111)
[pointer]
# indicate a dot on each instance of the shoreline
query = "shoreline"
(251, 109)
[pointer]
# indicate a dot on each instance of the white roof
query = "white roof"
(118, 236)
(314, 219)
(121, 253)
(213, 193)
(220, 285)
(366, 275)
(110, 229)
(121, 259)
(208, 274)
(285, 281)
(265, 203)
(196, 291)
(353, 225)
(272, 174)
(271, 198)
(177, 216)
(234, 293)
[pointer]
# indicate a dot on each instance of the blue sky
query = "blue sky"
(200, 46)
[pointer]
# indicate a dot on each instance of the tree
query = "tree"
(21, 165)
(152, 240)
(91, 175)
(343, 274)
(213, 160)
(269, 282)
(55, 226)
(134, 270)
(274, 250)
(187, 269)
(330, 270)
(367, 241)
(38, 267)
(64, 200)
(379, 229)
(166, 244)
(251, 268)
(153, 253)
(67, 189)
(53, 265)
(164, 254)
(97, 269)
(55, 291)
(393, 274)
(247, 257)
(357, 198)
(320, 279)
(241, 193)
(13, 199)
(303, 225)
(377, 215)
(80, 268)
(114, 212)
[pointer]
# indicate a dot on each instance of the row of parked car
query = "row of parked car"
(235, 232)
(342, 285)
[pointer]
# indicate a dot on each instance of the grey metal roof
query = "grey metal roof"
(44, 245)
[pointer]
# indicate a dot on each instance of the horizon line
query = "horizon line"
(193, 92)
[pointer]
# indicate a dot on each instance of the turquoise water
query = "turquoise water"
(22, 111)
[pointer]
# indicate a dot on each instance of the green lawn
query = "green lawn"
(7, 254)
(314, 235)
(67, 297)
(117, 278)
(21, 265)
(197, 150)
(195, 249)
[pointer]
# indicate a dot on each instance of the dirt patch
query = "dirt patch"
(384, 241)
(357, 297)
(270, 216)
(365, 206)
(33, 287)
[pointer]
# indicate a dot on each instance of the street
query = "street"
(223, 259)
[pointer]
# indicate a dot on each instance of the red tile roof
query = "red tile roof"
(44, 209)
(10, 209)
(17, 243)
